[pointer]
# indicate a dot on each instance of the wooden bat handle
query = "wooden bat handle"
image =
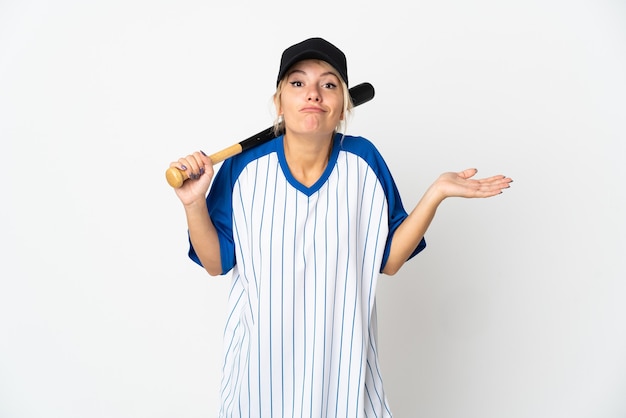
(176, 177)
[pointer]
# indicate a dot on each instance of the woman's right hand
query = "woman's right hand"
(199, 167)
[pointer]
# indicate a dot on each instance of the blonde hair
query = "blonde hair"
(279, 122)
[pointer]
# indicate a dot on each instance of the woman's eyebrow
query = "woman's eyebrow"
(329, 73)
(295, 71)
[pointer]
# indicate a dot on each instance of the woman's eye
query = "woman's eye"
(296, 83)
(330, 85)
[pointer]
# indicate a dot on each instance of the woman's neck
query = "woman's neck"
(307, 157)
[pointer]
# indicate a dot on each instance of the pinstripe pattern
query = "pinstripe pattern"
(300, 337)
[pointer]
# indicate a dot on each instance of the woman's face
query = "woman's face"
(311, 101)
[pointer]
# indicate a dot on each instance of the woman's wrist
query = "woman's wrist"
(434, 195)
(198, 204)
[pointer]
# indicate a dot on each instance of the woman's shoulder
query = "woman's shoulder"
(232, 167)
(253, 153)
(360, 146)
(356, 141)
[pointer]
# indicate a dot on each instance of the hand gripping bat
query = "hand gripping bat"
(360, 94)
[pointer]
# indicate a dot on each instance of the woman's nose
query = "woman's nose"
(313, 95)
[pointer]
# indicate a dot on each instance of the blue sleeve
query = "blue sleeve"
(364, 148)
(219, 202)
(397, 215)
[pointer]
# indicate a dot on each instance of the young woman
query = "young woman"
(305, 224)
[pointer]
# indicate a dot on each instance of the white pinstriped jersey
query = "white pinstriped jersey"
(300, 338)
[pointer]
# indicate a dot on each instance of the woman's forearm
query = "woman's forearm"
(204, 237)
(412, 230)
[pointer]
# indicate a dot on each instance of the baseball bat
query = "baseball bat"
(360, 94)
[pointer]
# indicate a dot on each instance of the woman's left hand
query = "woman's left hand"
(462, 184)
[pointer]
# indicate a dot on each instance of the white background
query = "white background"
(516, 309)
